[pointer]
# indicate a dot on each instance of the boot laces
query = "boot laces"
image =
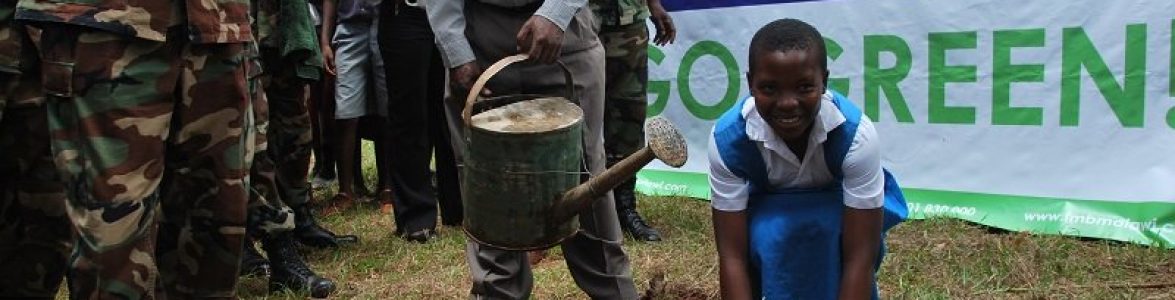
(293, 262)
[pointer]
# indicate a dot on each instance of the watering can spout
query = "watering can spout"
(664, 143)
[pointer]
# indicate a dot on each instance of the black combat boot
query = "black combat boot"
(289, 272)
(252, 263)
(308, 232)
(630, 220)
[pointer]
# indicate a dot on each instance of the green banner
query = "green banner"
(1142, 222)
(669, 183)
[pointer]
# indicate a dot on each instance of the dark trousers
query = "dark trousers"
(445, 161)
(415, 79)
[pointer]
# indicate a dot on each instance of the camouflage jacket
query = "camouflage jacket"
(207, 21)
(619, 12)
(10, 44)
(288, 27)
(265, 13)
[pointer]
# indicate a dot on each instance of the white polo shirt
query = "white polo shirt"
(863, 183)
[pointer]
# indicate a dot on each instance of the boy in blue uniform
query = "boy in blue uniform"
(800, 200)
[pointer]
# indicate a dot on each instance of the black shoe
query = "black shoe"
(289, 272)
(634, 225)
(252, 263)
(421, 236)
(630, 220)
(308, 232)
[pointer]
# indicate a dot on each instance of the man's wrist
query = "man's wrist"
(558, 12)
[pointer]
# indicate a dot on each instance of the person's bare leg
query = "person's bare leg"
(346, 148)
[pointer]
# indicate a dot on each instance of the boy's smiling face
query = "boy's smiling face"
(788, 86)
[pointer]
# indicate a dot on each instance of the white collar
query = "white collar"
(827, 119)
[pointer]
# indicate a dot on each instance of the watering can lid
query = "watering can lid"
(530, 116)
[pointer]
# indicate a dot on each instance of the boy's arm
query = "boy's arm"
(324, 36)
(864, 189)
(860, 240)
(729, 194)
(730, 234)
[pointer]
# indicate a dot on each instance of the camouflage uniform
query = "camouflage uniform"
(626, 40)
(35, 234)
(146, 104)
(280, 160)
(289, 135)
(290, 57)
(267, 214)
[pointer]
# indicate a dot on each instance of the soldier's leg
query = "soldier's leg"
(270, 220)
(289, 141)
(262, 216)
(626, 49)
(110, 103)
(205, 195)
(35, 234)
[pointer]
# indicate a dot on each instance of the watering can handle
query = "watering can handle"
(478, 85)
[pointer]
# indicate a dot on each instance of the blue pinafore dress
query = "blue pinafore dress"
(794, 234)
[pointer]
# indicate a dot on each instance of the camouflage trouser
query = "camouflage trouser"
(35, 234)
(627, 64)
(267, 213)
(282, 160)
(290, 138)
(148, 137)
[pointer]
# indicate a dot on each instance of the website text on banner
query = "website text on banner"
(1054, 117)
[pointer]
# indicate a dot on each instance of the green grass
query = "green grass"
(930, 259)
(927, 259)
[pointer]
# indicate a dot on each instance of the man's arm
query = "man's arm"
(541, 37)
(666, 32)
(447, 18)
(329, 9)
(560, 12)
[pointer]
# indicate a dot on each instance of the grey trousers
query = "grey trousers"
(594, 255)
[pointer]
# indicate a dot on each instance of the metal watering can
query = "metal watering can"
(524, 164)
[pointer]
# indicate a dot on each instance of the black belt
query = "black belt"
(526, 8)
(395, 7)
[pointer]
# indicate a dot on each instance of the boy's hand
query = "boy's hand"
(666, 33)
(541, 39)
(328, 59)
